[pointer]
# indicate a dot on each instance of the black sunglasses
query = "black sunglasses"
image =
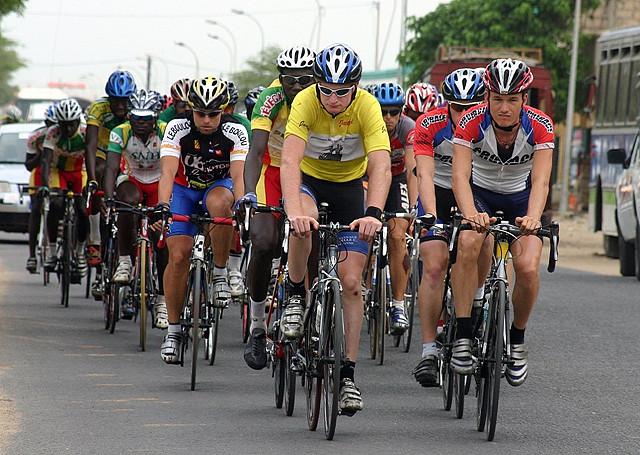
(391, 112)
(210, 114)
(305, 79)
(460, 107)
(340, 92)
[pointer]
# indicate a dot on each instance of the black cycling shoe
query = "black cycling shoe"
(255, 351)
(426, 372)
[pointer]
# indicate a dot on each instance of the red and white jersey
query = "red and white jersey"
(491, 172)
(434, 137)
(401, 138)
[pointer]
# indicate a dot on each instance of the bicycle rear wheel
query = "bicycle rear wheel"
(332, 356)
(381, 321)
(142, 310)
(65, 281)
(497, 352)
(212, 342)
(313, 378)
(279, 372)
(245, 309)
(196, 293)
(289, 379)
(459, 387)
(410, 300)
(446, 372)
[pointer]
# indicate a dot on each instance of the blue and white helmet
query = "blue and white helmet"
(463, 86)
(389, 94)
(338, 64)
(120, 84)
(50, 114)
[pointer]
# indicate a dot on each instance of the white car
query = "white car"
(14, 202)
(628, 207)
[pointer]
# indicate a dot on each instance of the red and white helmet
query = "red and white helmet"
(421, 97)
(506, 76)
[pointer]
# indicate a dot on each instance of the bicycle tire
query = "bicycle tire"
(66, 264)
(495, 370)
(333, 357)
(382, 312)
(114, 307)
(279, 375)
(196, 290)
(459, 386)
(446, 371)
(246, 317)
(212, 341)
(142, 310)
(87, 286)
(410, 304)
(289, 381)
(372, 326)
(313, 380)
(481, 372)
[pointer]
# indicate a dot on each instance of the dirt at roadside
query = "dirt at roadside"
(581, 249)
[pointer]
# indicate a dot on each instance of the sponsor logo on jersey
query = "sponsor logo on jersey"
(115, 137)
(270, 102)
(239, 133)
(176, 128)
(303, 124)
(492, 158)
(196, 145)
(471, 115)
(433, 119)
(541, 119)
(146, 155)
(444, 159)
(345, 123)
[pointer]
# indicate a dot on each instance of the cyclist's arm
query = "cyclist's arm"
(236, 170)
(461, 170)
(33, 160)
(540, 175)
(379, 172)
(169, 168)
(47, 153)
(111, 173)
(91, 140)
(426, 170)
(253, 163)
(412, 181)
(292, 154)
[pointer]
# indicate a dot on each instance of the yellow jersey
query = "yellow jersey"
(337, 146)
(99, 114)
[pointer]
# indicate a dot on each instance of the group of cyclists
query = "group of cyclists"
(312, 136)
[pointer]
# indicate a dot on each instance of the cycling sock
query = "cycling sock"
(516, 335)
(80, 248)
(235, 259)
(257, 314)
(397, 303)
(174, 328)
(463, 328)
(479, 294)
(429, 348)
(94, 230)
(219, 271)
(125, 258)
(348, 370)
(296, 288)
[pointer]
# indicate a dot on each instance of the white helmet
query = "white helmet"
(68, 110)
(296, 57)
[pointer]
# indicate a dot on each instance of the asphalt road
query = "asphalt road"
(67, 386)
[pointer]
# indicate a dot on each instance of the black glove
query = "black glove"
(161, 212)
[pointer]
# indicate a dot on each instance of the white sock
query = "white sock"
(175, 328)
(219, 271)
(80, 248)
(397, 303)
(479, 293)
(429, 348)
(94, 230)
(235, 259)
(257, 315)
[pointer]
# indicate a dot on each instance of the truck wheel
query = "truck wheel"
(637, 252)
(610, 246)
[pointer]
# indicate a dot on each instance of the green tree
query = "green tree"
(261, 70)
(9, 59)
(545, 24)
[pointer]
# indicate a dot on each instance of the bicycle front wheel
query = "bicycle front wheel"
(212, 335)
(142, 310)
(410, 300)
(196, 293)
(382, 295)
(289, 379)
(332, 356)
(497, 352)
(313, 377)
(65, 281)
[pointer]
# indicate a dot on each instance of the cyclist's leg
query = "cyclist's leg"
(34, 227)
(399, 273)
(76, 181)
(127, 192)
(95, 235)
(218, 199)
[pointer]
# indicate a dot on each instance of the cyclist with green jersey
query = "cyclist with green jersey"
(334, 135)
(262, 184)
(134, 149)
(179, 105)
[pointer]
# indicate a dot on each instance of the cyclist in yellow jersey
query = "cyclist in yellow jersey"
(335, 134)
(262, 184)
(103, 115)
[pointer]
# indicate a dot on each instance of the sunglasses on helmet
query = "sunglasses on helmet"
(305, 79)
(340, 92)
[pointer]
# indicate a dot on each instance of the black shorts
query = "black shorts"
(512, 205)
(445, 203)
(398, 198)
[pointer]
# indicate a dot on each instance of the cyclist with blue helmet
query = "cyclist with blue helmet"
(103, 115)
(33, 161)
(433, 147)
(403, 193)
(251, 98)
(335, 134)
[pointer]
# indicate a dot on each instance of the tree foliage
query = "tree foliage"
(545, 24)
(261, 70)
(9, 59)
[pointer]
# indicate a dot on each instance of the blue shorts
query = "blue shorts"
(513, 205)
(187, 201)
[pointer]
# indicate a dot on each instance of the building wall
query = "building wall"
(612, 14)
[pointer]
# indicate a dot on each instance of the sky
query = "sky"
(85, 40)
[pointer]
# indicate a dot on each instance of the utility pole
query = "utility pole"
(403, 35)
(377, 59)
(148, 72)
(319, 25)
(568, 138)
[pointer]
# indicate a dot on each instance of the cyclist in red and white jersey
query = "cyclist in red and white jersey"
(502, 162)
(433, 148)
(421, 97)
